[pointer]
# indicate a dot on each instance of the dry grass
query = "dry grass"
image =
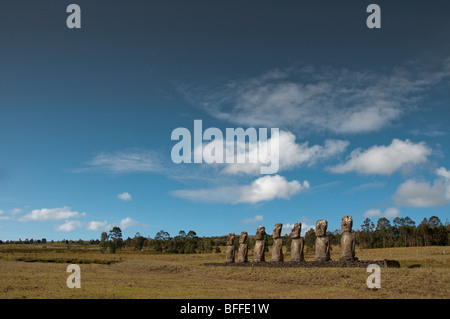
(143, 275)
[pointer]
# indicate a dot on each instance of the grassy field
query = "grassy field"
(29, 271)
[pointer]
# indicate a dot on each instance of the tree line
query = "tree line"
(183, 243)
(403, 232)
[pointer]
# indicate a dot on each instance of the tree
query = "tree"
(191, 234)
(424, 233)
(205, 245)
(104, 242)
(310, 238)
(410, 226)
(161, 240)
(190, 243)
(366, 235)
(438, 231)
(162, 235)
(138, 241)
(383, 231)
(434, 222)
(335, 237)
(115, 233)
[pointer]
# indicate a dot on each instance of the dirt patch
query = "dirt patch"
(312, 264)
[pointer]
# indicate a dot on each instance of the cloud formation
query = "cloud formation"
(97, 225)
(384, 160)
(2, 217)
(252, 220)
(291, 154)
(320, 99)
(287, 228)
(125, 196)
(129, 222)
(128, 161)
(424, 194)
(263, 189)
(46, 214)
(69, 226)
(390, 212)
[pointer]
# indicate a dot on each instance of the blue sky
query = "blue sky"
(86, 115)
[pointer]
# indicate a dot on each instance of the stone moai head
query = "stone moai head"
(260, 233)
(243, 238)
(346, 224)
(321, 227)
(230, 240)
(296, 230)
(277, 230)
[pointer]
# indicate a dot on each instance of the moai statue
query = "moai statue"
(348, 242)
(277, 248)
(230, 248)
(322, 241)
(260, 245)
(243, 248)
(297, 243)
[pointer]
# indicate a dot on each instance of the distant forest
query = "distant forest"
(403, 232)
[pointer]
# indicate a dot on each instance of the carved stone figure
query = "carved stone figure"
(243, 248)
(277, 248)
(348, 242)
(322, 241)
(260, 245)
(230, 248)
(297, 243)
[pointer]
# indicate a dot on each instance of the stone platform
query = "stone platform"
(313, 264)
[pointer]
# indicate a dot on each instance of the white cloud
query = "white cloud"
(365, 187)
(372, 213)
(45, 214)
(262, 189)
(96, 225)
(291, 154)
(443, 172)
(287, 227)
(252, 220)
(422, 194)
(15, 211)
(384, 160)
(12, 212)
(390, 212)
(270, 187)
(124, 196)
(324, 99)
(129, 222)
(69, 226)
(126, 222)
(128, 161)
(430, 132)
